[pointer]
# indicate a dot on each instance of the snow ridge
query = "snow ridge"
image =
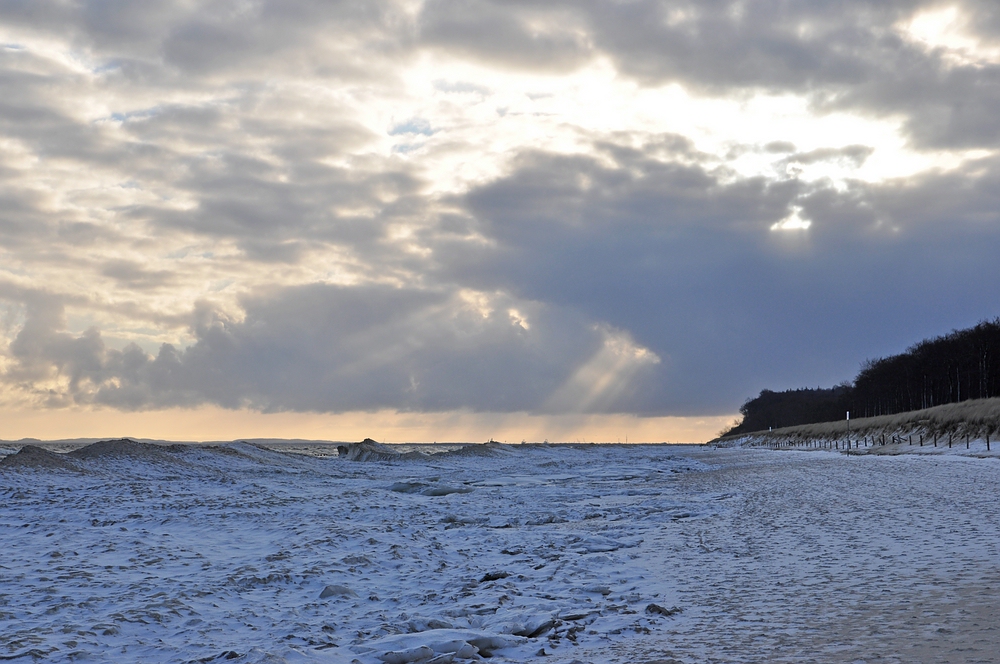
(193, 553)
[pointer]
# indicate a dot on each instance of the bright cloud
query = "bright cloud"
(485, 207)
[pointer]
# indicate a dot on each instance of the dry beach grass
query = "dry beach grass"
(975, 419)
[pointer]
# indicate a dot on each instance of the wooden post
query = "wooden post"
(966, 441)
(987, 442)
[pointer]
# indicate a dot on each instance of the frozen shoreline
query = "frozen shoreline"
(269, 557)
(895, 444)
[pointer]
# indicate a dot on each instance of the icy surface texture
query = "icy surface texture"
(178, 553)
(517, 553)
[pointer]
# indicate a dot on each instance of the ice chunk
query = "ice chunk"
(419, 624)
(656, 609)
(457, 647)
(369, 450)
(599, 544)
(426, 489)
(405, 656)
(337, 591)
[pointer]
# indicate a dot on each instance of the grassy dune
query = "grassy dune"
(977, 418)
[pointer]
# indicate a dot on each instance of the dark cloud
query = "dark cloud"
(524, 35)
(637, 239)
(779, 147)
(327, 348)
(132, 275)
(274, 218)
(223, 142)
(846, 55)
(686, 262)
(209, 39)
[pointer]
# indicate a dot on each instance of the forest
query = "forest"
(958, 366)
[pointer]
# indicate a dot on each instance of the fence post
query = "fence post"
(987, 442)
(966, 441)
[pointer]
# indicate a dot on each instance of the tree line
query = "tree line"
(961, 365)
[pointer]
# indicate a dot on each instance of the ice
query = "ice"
(431, 488)
(583, 553)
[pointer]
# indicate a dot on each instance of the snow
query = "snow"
(583, 553)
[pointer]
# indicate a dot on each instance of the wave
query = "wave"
(126, 447)
(172, 457)
(32, 456)
(490, 449)
(370, 450)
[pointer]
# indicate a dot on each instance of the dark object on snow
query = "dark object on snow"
(655, 609)
(337, 591)
(31, 456)
(370, 450)
(124, 447)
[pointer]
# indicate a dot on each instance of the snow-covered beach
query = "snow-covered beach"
(551, 552)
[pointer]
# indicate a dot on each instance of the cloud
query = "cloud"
(856, 154)
(529, 36)
(683, 259)
(334, 349)
(466, 204)
(130, 274)
(850, 56)
(857, 55)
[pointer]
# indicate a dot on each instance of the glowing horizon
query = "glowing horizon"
(215, 424)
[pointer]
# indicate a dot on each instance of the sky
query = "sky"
(473, 219)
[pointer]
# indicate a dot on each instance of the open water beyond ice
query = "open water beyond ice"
(577, 553)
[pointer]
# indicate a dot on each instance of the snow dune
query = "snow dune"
(190, 553)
